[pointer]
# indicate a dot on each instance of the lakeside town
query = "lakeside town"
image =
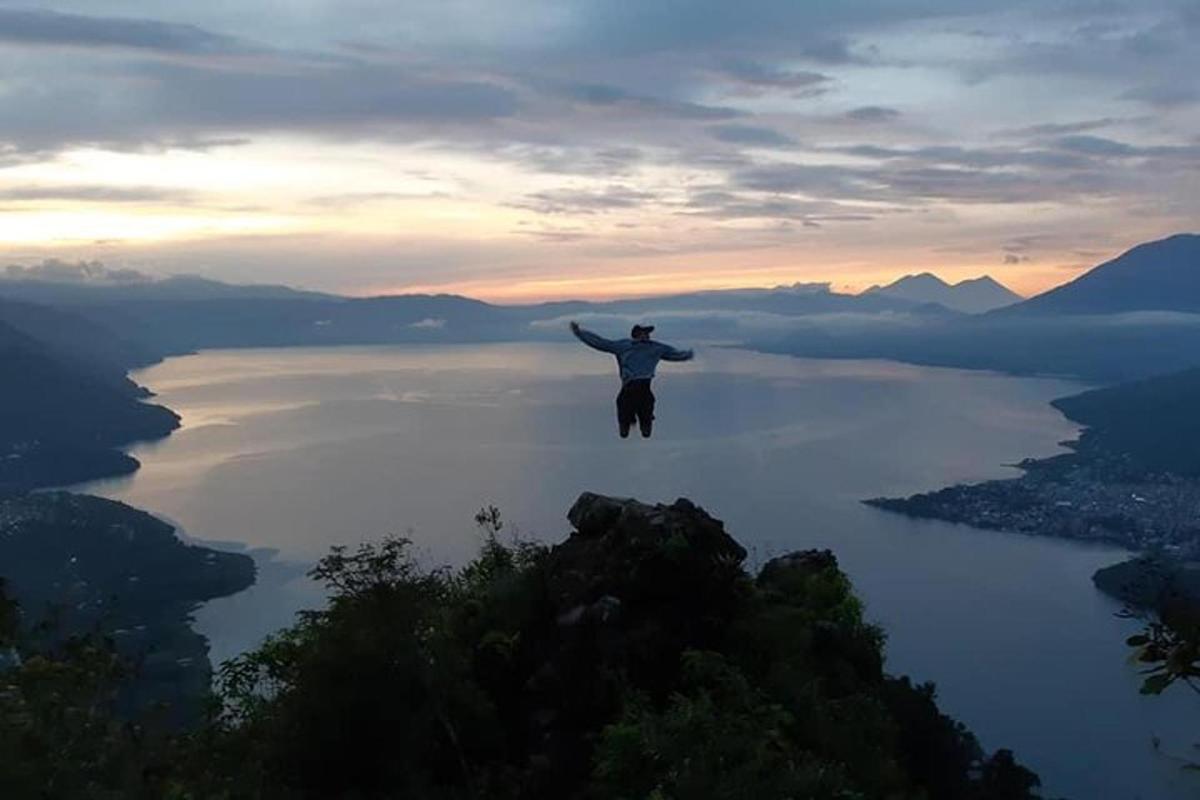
(1091, 494)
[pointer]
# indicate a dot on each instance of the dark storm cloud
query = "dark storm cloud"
(943, 174)
(1061, 128)
(727, 205)
(1095, 146)
(822, 180)
(970, 157)
(32, 28)
(760, 46)
(1146, 48)
(755, 77)
(606, 96)
(355, 93)
(1178, 155)
(810, 31)
(989, 186)
(1164, 95)
(573, 159)
(189, 105)
(1019, 245)
(753, 135)
(873, 114)
(613, 87)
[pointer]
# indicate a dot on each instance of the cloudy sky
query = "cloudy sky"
(522, 149)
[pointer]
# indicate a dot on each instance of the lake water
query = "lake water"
(287, 452)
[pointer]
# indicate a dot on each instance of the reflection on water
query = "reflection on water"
(290, 451)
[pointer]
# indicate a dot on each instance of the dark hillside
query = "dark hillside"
(1155, 276)
(90, 345)
(636, 659)
(181, 326)
(60, 421)
(1155, 422)
(83, 564)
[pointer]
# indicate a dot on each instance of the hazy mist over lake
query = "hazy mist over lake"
(296, 450)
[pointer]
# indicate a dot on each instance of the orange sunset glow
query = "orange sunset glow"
(367, 160)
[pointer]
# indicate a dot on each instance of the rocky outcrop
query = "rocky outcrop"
(793, 566)
(627, 592)
(632, 589)
(653, 560)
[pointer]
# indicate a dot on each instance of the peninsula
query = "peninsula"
(77, 565)
(1131, 479)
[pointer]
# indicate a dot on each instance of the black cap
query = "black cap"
(640, 329)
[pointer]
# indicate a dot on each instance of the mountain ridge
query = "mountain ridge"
(63, 419)
(1161, 275)
(1044, 335)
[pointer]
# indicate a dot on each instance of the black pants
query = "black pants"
(635, 402)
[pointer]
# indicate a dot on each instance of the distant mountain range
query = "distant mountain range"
(973, 296)
(1135, 316)
(180, 315)
(67, 345)
(177, 288)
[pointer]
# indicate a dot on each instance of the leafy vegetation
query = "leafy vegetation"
(1164, 596)
(61, 733)
(638, 659)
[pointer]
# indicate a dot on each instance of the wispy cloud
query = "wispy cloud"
(625, 131)
(97, 194)
(619, 99)
(57, 271)
(584, 201)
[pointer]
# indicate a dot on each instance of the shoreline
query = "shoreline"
(1088, 494)
(130, 578)
(143, 578)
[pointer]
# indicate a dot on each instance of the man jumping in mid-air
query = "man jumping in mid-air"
(637, 357)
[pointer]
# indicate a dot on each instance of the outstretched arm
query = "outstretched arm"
(592, 340)
(671, 354)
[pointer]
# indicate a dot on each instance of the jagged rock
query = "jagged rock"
(625, 594)
(605, 609)
(799, 563)
(598, 516)
(601, 611)
(671, 571)
(622, 545)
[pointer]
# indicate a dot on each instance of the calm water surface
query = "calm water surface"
(286, 452)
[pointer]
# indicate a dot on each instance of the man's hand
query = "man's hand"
(574, 327)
